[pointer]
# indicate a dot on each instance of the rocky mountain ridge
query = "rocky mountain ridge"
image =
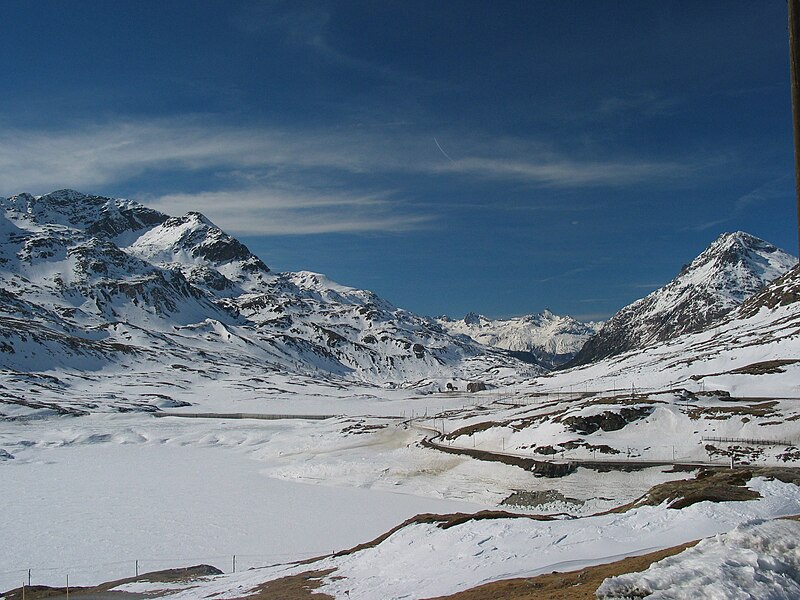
(732, 269)
(93, 282)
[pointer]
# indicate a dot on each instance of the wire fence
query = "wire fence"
(91, 572)
(750, 441)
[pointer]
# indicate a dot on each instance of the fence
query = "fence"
(93, 573)
(749, 441)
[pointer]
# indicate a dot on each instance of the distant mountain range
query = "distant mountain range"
(734, 268)
(545, 338)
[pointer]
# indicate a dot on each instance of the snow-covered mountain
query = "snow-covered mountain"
(753, 351)
(736, 266)
(90, 281)
(545, 339)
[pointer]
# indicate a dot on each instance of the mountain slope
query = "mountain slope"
(733, 268)
(545, 339)
(91, 282)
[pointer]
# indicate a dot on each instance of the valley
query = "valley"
(145, 360)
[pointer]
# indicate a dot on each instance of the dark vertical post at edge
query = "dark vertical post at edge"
(794, 59)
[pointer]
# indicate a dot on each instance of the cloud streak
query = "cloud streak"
(283, 180)
(271, 211)
(102, 153)
(774, 189)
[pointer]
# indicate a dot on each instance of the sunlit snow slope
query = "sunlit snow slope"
(545, 339)
(91, 282)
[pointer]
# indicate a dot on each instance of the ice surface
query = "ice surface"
(90, 508)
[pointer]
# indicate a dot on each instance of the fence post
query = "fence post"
(137, 568)
(234, 563)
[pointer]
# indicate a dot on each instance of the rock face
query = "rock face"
(735, 267)
(545, 339)
(90, 281)
(782, 292)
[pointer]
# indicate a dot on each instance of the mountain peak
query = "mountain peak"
(113, 282)
(740, 240)
(67, 195)
(542, 338)
(733, 268)
(472, 318)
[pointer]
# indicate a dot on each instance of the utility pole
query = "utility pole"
(794, 59)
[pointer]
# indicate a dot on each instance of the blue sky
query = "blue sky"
(452, 156)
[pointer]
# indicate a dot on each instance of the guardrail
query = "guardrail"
(266, 417)
(750, 441)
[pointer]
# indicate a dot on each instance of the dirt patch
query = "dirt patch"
(602, 448)
(791, 454)
(714, 485)
(761, 409)
(359, 427)
(742, 455)
(538, 498)
(607, 420)
(575, 585)
(445, 522)
(293, 587)
(476, 428)
(624, 400)
(767, 367)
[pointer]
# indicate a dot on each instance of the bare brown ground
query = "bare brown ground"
(575, 585)
(294, 587)
(715, 485)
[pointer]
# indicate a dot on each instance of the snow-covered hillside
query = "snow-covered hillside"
(92, 283)
(545, 339)
(733, 268)
(753, 351)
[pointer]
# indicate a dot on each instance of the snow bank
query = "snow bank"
(755, 560)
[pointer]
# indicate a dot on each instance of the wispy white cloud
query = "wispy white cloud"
(565, 173)
(563, 275)
(99, 154)
(271, 211)
(644, 104)
(290, 180)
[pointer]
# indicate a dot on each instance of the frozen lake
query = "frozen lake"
(92, 510)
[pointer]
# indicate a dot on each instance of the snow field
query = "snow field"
(423, 560)
(91, 508)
